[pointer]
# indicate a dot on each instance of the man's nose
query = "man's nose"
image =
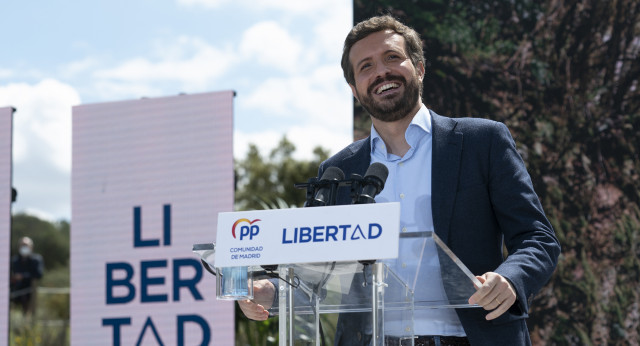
(382, 69)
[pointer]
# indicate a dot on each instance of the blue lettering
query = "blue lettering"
(328, 233)
(190, 284)
(317, 234)
(244, 231)
(146, 281)
(331, 233)
(149, 323)
(166, 221)
(116, 323)
(254, 231)
(137, 228)
(137, 231)
(206, 332)
(344, 229)
(250, 231)
(305, 234)
(354, 236)
(126, 282)
(371, 226)
(284, 237)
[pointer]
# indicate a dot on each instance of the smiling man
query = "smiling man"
(396, 95)
(460, 178)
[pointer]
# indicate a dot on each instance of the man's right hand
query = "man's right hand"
(263, 293)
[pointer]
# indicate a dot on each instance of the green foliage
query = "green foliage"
(564, 76)
(53, 297)
(269, 180)
(27, 331)
(51, 240)
(254, 333)
(50, 324)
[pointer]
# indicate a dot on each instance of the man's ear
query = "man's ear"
(353, 91)
(421, 71)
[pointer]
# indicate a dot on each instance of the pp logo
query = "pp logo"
(249, 230)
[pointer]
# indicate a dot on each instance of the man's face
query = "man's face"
(25, 247)
(387, 84)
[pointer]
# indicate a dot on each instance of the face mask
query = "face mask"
(25, 251)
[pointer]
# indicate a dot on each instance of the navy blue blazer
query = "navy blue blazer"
(482, 196)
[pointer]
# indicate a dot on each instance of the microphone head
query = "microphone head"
(333, 173)
(373, 183)
(327, 186)
(378, 170)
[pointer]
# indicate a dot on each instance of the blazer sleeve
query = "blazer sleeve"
(532, 246)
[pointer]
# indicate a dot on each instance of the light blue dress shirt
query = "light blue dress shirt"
(409, 182)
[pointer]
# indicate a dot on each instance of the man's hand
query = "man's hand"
(495, 294)
(263, 294)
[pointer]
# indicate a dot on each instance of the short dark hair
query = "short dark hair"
(413, 43)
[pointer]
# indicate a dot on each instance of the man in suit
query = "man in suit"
(461, 178)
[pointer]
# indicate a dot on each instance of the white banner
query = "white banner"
(308, 235)
(6, 121)
(149, 178)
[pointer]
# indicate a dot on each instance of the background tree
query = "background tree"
(270, 180)
(563, 75)
(51, 240)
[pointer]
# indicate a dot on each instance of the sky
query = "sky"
(282, 57)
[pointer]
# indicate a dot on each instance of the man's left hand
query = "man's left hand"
(496, 293)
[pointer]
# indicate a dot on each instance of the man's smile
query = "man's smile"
(386, 86)
(389, 85)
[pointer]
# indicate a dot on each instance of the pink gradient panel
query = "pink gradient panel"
(149, 178)
(6, 121)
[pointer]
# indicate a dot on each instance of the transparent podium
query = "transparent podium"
(381, 299)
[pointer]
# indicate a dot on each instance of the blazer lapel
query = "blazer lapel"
(360, 159)
(445, 172)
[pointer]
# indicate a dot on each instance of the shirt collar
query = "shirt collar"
(419, 127)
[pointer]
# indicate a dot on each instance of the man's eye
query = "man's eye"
(364, 66)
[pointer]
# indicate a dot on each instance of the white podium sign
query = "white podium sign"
(307, 235)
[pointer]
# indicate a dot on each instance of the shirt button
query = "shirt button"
(401, 164)
(404, 265)
(404, 229)
(402, 195)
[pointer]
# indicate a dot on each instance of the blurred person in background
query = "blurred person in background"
(26, 269)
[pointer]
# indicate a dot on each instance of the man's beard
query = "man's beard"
(392, 110)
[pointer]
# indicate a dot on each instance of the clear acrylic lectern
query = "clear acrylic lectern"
(313, 296)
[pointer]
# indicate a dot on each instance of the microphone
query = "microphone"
(328, 185)
(373, 182)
